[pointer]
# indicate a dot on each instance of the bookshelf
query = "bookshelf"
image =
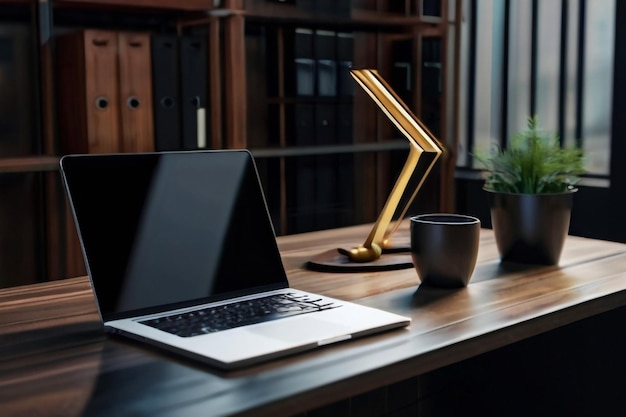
(300, 99)
(336, 173)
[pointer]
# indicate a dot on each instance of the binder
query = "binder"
(345, 51)
(431, 83)
(304, 63)
(87, 91)
(326, 126)
(135, 86)
(304, 110)
(194, 91)
(304, 168)
(326, 185)
(325, 55)
(345, 108)
(165, 93)
(17, 92)
(403, 72)
(345, 87)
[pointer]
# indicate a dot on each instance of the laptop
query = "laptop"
(181, 253)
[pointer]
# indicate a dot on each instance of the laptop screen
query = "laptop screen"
(168, 228)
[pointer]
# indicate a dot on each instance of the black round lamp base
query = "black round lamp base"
(333, 261)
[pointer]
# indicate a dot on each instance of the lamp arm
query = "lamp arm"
(420, 140)
(378, 233)
(408, 204)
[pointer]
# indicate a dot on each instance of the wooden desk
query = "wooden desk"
(54, 359)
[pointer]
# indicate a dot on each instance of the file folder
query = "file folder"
(304, 62)
(135, 78)
(345, 52)
(325, 45)
(345, 109)
(87, 91)
(304, 168)
(165, 93)
(17, 92)
(194, 91)
(325, 55)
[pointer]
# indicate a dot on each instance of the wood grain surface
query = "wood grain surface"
(55, 360)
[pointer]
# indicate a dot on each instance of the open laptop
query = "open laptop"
(180, 250)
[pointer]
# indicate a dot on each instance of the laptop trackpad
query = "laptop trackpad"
(299, 329)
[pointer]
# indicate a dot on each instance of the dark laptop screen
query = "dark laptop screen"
(166, 228)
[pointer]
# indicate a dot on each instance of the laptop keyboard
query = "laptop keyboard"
(237, 314)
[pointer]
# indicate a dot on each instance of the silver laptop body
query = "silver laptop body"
(173, 235)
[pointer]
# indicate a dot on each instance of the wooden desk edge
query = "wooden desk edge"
(612, 295)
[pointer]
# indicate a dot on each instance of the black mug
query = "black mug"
(444, 248)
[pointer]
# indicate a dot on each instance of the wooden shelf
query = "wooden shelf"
(290, 14)
(142, 4)
(190, 5)
(253, 96)
(29, 164)
(15, 2)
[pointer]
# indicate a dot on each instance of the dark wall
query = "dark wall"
(572, 371)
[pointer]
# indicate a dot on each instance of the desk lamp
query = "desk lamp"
(424, 151)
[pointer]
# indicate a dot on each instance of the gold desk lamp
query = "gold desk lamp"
(424, 152)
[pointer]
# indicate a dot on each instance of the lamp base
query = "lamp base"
(332, 261)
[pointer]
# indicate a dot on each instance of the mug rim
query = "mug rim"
(461, 219)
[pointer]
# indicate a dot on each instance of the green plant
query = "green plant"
(533, 163)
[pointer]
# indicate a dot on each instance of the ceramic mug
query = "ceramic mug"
(444, 248)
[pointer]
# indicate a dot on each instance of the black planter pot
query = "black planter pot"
(530, 228)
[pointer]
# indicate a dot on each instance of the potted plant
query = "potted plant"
(530, 186)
